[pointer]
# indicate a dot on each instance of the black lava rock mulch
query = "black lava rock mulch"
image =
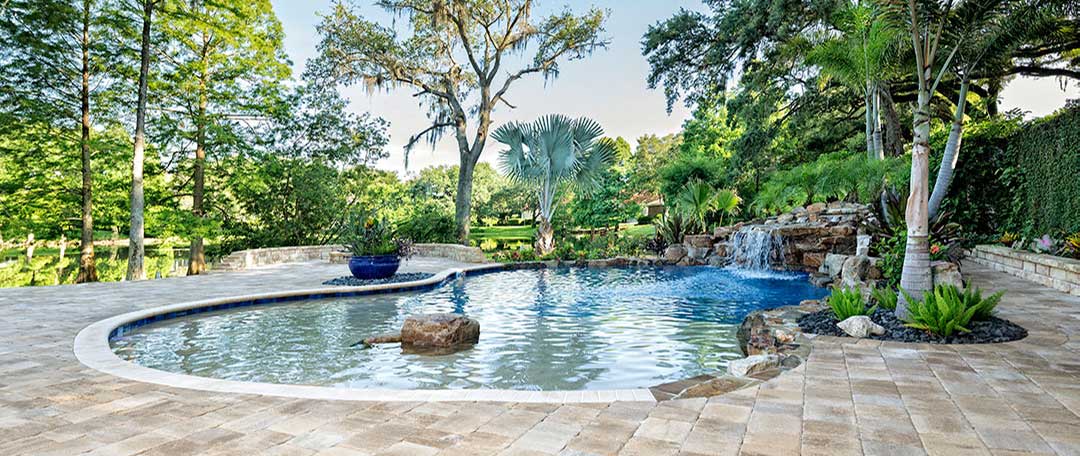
(990, 331)
(350, 281)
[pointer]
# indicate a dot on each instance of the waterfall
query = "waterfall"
(756, 248)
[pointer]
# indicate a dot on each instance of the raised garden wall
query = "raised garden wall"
(245, 259)
(1055, 272)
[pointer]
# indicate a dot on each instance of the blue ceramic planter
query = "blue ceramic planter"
(370, 267)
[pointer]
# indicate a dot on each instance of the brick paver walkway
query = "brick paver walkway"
(849, 398)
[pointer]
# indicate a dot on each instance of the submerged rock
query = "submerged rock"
(439, 330)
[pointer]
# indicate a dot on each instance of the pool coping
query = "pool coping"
(91, 347)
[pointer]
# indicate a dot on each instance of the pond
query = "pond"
(545, 329)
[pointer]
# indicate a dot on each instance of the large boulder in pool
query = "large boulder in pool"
(439, 331)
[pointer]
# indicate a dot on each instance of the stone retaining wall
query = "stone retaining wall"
(245, 259)
(1055, 272)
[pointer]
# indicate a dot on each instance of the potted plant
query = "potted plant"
(376, 253)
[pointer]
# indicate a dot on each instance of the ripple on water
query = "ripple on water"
(544, 329)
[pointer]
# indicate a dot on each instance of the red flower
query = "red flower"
(935, 249)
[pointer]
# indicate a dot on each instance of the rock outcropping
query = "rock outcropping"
(807, 235)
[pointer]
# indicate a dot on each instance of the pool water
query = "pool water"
(540, 329)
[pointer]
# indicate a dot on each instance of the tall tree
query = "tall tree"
(483, 34)
(54, 55)
(136, 245)
(225, 61)
(987, 35)
(924, 20)
(551, 154)
(857, 56)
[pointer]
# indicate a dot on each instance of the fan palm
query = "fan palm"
(551, 154)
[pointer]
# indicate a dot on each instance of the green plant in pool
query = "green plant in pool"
(884, 297)
(848, 302)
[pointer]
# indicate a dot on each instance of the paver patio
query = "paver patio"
(849, 398)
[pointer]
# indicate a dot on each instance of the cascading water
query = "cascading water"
(756, 248)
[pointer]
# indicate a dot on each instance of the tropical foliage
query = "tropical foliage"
(848, 302)
(551, 154)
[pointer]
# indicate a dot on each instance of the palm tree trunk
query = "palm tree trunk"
(869, 125)
(87, 268)
(136, 246)
(545, 237)
(951, 154)
(915, 279)
(879, 151)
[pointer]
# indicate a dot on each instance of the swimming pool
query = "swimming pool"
(541, 329)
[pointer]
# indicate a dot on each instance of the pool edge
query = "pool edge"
(91, 347)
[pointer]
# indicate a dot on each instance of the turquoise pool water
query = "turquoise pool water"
(541, 329)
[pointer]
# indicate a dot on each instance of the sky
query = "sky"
(608, 86)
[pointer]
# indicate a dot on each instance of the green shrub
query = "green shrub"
(488, 245)
(942, 312)
(834, 176)
(429, 223)
(984, 308)
(848, 302)
(884, 297)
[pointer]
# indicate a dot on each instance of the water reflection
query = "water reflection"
(539, 329)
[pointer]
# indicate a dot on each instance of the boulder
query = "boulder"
(813, 259)
(722, 233)
(674, 253)
(816, 208)
(855, 271)
(833, 264)
(860, 326)
(439, 330)
(821, 280)
(754, 364)
(717, 260)
(701, 241)
(944, 272)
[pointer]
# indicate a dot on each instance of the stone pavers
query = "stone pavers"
(850, 397)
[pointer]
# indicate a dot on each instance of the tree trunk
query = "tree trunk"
(879, 151)
(893, 141)
(29, 248)
(87, 268)
(950, 155)
(545, 237)
(197, 258)
(915, 279)
(60, 259)
(136, 247)
(869, 126)
(994, 89)
(463, 197)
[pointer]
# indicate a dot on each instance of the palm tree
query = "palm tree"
(698, 201)
(986, 34)
(857, 58)
(551, 154)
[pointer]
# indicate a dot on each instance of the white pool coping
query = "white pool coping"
(92, 348)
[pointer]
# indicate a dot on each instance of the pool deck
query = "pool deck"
(848, 398)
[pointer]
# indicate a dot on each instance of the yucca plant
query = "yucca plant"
(942, 312)
(672, 227)
(848, 302)
(884, 297)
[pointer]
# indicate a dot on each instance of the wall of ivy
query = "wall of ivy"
(1047, 154)
(1018, 176)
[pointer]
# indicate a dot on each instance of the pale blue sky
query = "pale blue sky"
(609, 86)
